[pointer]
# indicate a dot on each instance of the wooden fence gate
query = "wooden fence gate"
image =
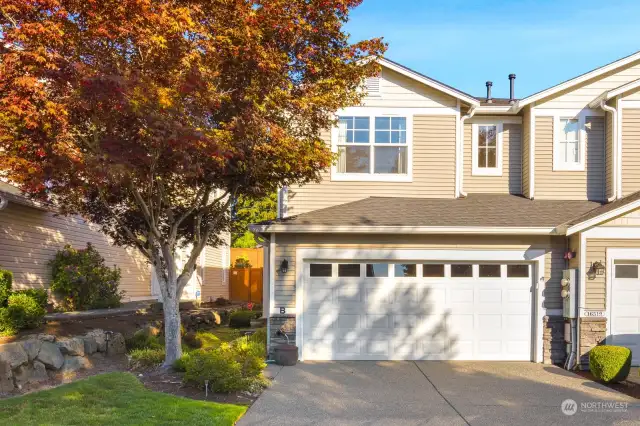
(245, 284)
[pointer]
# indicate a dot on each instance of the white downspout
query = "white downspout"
(614, 150)
(472, 111)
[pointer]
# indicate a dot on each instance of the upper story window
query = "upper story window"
(568, 145)
(487, 149)
(373, 147)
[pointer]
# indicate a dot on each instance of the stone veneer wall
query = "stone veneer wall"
(593, 332)
(286, 323)
(553, 345)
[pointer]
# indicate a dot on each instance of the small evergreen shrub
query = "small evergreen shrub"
(22, 311)
(141, 339)
(146, 357)
(83, 281)
(610, 364)
(242, 318)
(39, 294)
(6, 282)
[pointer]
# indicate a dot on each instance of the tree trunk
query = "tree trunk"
(172, 335)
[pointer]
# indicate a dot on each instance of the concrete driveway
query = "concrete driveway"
(433, 393)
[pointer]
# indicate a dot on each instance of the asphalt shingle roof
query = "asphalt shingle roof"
(481, 210)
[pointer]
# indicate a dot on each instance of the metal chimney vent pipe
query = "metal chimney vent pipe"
(512, 81)
(489, 99)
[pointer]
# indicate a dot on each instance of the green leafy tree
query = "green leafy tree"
(248, 210)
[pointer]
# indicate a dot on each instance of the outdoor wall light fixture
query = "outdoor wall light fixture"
(597, 268)
(284, 266)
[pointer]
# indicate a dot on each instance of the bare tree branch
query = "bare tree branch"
(9, 18)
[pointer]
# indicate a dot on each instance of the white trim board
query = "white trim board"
(577, 80)
(537, 256)
(427, 81)
(627, 208)
(357, 229)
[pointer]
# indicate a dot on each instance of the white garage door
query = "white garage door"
(378, 311)
(625, 308)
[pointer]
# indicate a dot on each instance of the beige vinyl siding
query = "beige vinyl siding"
(215, 281)
(288, 243)
(434, 140)
(510, 181)
(630, 151)
(570, 185)
(630, 219)
(526, 140)
(579, 97)
(29, 238)
(398, 91)
(609, 183)
(595, 293)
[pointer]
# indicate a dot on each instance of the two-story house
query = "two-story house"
(444, 228)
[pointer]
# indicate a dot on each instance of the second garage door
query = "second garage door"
(408, 311)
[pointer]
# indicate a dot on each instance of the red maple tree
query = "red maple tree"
(148, 117)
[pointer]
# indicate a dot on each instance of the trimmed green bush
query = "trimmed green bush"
(147, 357)
(6, 282)
(39, 294)
(22, 311)
(243, 318)
(83, 281)
(231, 367)
(141, 339)
(610, 364)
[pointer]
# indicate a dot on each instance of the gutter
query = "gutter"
(614, 136)
(359, 229)
(460, 159)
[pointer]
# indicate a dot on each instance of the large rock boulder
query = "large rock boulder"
(75, 363)
(30, 373)
(99, 337)
(90, 345)
(13, 354)
(73, 346)
(6, 378)
(46, 337)
(32, 347)
(50, 356)
(116, 344)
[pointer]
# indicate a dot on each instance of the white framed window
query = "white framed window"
(373, 147)
(486, 149)
(568, 143)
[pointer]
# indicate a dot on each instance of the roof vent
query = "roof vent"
(512, 81)
(489, 99)
(373, 86)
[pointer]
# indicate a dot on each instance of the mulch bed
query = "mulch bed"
(627, 387)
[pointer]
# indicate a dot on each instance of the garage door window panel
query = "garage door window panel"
(626, 271)
(489, 271)
(377, 270)
(462, 270)
(517, 271)
(404, 270)
(433, 270)
(349, 270)
(320, 269)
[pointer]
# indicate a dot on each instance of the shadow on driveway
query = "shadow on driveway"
(432, 393)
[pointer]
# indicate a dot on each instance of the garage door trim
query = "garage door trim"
(537, 256)
(614, 254)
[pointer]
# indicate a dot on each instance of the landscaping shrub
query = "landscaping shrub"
(6, 281)
(83, 281)
(146, 357)
(610, 364)
(141, 339)
(242, 318)
(242, 262)
(22, 311)
(39, 294)
(235, 366)
(260, 336)
(221, 301)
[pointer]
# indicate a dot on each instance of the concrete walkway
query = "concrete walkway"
(432, 393)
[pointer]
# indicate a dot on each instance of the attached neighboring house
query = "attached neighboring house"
(444, 228)
(31, 234)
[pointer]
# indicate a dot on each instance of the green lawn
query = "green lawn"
(113, 399)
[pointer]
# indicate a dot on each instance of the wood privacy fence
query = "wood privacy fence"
(245, 284)
(255, 256)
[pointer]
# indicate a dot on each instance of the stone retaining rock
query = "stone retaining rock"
(116, 344)
(99, 337)
(73, 346)
(90, 345)
(30, 373)
(75, 363)
(6, 378)
(32, 347)
(13, 354)
(50, 356)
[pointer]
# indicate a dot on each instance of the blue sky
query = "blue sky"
(465, 43)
